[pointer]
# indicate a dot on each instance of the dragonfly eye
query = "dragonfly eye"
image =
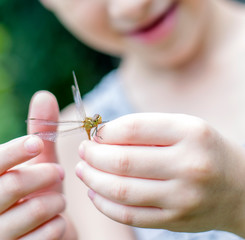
(97, 118)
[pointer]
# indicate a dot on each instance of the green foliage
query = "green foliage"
(36, 52)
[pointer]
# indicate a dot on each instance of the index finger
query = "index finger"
(159, 129)
(18, 151)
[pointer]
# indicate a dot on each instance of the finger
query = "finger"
(18, 151)
(148, 217)
(19, 183)
(128, 191)
(145, 129)
(54, 229)
(44, 106)
(134, 161)
(30, 214)
(55, 5)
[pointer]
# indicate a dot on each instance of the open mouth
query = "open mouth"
(155, 25)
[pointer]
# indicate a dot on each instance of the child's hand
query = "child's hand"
(165, 171)
(25, 209)
(30, 182)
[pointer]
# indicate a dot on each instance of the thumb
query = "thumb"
(44, 105)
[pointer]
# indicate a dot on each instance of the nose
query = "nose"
(129, 10)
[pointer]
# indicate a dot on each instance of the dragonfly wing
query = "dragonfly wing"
(52, 136)
(48, 136)
(78, 100)
(43, 122)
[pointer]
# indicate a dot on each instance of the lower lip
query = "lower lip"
(160, 31)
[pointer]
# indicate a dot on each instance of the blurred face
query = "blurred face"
(160, 32)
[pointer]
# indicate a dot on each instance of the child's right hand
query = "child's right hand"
(31, 199)
(28, 210)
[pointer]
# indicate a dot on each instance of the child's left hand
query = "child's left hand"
(166, 171)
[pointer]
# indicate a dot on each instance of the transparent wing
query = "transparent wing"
(43, 122)
(78, 100)
(52, 136)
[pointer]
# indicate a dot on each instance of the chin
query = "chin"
(180, 60)
(178, 56)
(174, 61)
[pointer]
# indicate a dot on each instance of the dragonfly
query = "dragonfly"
(84, 122)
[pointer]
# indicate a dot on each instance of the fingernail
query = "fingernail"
(61, 171)
(81, 151)
(91, 194)
(79, 170)
(33, 145)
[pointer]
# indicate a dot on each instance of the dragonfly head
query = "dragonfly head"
(97, 118)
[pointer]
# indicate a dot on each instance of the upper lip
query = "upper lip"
(153, 22)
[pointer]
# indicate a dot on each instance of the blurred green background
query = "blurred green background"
(36, 52)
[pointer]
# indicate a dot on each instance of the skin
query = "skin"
(191, 169)
(115, 19)
(175, 180)
(30, 206)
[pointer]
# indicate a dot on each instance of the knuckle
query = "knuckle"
(195, 167)
(182, 219)
(38, 210)
(190, 200)
(201, 169)
(123, 163)
(194, 203)
(131, 130)
(62, 203)
(13, 185)
(53, 233)
(9, 156)
(52, 174)
(201, 130)
(119, 192)
(9, 153)
(126, 217)
(56, 229)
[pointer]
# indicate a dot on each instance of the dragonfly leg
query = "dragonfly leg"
(96, 133)
(96, 130)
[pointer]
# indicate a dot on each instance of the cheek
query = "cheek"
(96, 31)
(180, 49)
(92, 19)
(188, 37)
(193, 16)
